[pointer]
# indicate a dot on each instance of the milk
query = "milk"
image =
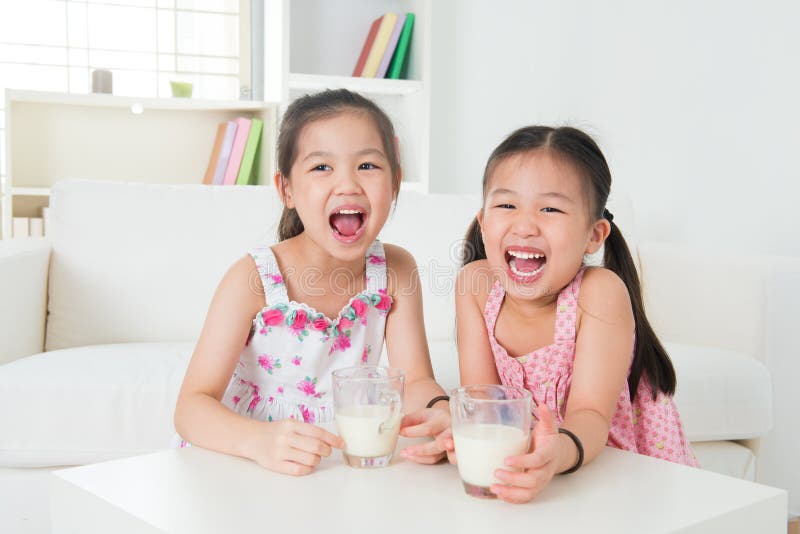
(483, 448)
(360, 427)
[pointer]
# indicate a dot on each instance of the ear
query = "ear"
(284, 188)
(479, 216)
(599, 232)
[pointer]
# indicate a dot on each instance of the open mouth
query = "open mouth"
(525, 265)
(348, 223)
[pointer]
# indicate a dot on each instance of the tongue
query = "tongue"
(527, 265)
(346, 224)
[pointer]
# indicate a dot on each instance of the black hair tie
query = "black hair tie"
(608, 215)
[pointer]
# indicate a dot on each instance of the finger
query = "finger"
(413, 419)
(445, 441)
(535, 460)
(427, 459)
(294, 469)
(307, 429)
(309, 444)
(422, 430)
(513, 494)
(522, 479)
(303, 457)
(547, 421)
(452, 458)
(423, 449)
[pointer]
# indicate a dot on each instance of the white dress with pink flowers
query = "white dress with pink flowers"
(285, 369)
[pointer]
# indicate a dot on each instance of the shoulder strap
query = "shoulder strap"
(271, 278)
(567, 310)
(492, 307)
(376, 267)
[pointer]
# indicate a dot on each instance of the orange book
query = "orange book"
(362, 59)
(212, 163)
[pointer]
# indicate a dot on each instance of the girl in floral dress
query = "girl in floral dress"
(284, 317)
(531, 314)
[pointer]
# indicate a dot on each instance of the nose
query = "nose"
(525, 224)
(347, 183)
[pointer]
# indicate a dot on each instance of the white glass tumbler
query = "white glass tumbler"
(368, 404)
(490, 423)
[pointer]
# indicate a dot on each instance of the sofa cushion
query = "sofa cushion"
(89, 404)
(726, 458)
(721, 394)
(140, 262)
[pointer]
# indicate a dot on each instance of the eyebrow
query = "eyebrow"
(550, 194)
(323, 154)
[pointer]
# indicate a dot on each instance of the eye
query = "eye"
(505, 206)
(551, 210)
(322, 167)
(367, 167)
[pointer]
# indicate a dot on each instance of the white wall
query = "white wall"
(695, 104)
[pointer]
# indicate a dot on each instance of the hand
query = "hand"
(429, 422)
(291, 447)
(537, 467)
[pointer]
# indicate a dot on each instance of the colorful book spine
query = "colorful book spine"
(239, 144)
(212, 161)
(246, 176)
(400, 60)
(225, 152)
(379, 46)
(391, 46)
(373, 31)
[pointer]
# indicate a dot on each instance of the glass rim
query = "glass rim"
(393, 373)
(524, 393)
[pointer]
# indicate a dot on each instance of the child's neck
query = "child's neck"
(311, 254)
(530, 308)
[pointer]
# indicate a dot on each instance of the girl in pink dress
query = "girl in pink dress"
(285, 316)
(532, 315)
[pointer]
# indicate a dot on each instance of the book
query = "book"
(237, 151)
(399, 64)
(225, 152)
(373, 30)
(212, 162)
(379, 46)
(390, 47)
(246, 174)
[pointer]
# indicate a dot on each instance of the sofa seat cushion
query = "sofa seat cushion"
(722, 394)
(89, 404)
(726, 458)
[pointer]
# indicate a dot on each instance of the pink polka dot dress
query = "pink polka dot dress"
(647, 426)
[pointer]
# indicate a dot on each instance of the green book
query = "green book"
(245, 176)
(398, 68)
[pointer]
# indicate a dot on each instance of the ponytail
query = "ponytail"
(650, 358)
(473, 249)
(290, 224)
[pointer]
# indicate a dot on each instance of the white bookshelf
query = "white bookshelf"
(54, 136)
(312, 45)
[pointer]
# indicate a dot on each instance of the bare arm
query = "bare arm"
(287, 446)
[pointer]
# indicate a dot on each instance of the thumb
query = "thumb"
(547, 422)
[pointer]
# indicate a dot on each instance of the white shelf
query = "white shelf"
(31, 191)
(371, 86)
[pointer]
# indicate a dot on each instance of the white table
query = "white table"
(197, 491)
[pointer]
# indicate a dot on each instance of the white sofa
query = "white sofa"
(97, 321)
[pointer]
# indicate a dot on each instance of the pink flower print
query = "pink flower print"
(365, 354)
(269, 363)
(345, 323)
(297, 360)
(297, 321)
(341, 343)
(309, 387)
(385, 301)
(253, 403)
(280, 390)
(276, 279)
(359, 307)
(320, 324)
(270, 318)
(236, 400)
(376, 260)
(308, 415)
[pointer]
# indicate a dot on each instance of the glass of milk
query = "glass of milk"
(368, 404)
(490, 423)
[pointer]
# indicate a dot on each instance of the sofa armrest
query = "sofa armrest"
(24, 266)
